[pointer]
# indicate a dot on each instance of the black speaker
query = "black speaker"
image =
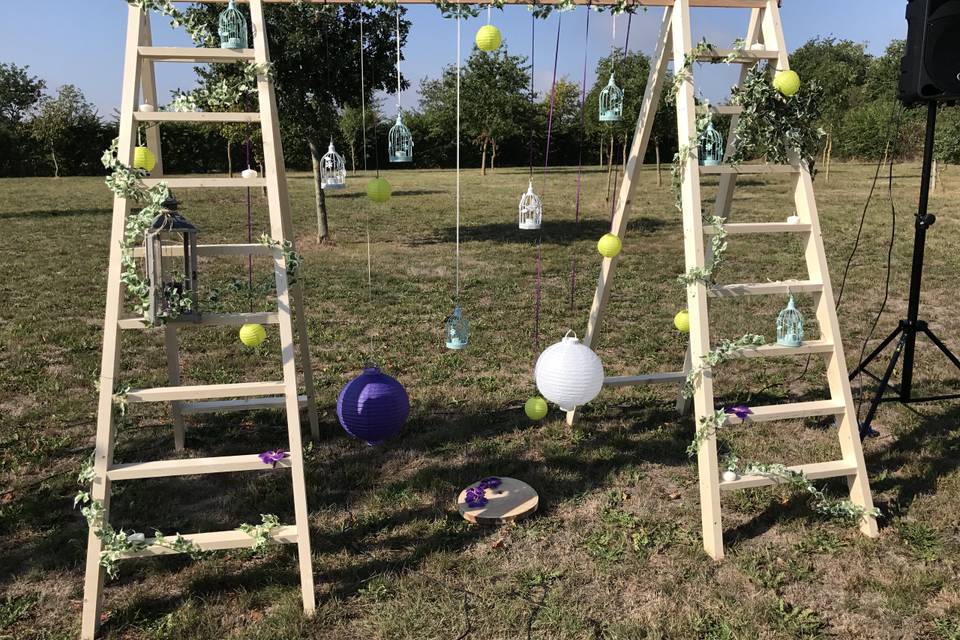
(930, 69)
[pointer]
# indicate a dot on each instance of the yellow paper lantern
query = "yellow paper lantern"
(536, 408)
(787, 83)
(682, 321)
(488, 38)
(144, 159)
(609, 246)
(378, 190)
(252, 335)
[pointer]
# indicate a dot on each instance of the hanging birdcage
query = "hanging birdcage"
(333, 170)
(790, 326)
(611, 102)
(233, 28)
(401, 142)
(531, 209)
(457, 330)
(170, 249)
(711, 147)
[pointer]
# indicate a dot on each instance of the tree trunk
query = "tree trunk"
(829, 155)
(483, 157)
(624, 156)
(229, 159)
(601, 151)
(933, 174)
(56, 165)
(656, 149)
(493, 156)
(353, 158)
(323, 230)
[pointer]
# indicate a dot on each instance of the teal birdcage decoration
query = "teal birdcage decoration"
(711, 146)
(457, 330)
(790, 326)
(611, 102)
(400, 142)
(233, 28)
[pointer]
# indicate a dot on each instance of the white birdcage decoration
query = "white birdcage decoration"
(333, 169)
(400, 142)
(611, 102)
(232, 28)
(790, 326)
(531, 209)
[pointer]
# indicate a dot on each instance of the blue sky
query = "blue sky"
(81, 42)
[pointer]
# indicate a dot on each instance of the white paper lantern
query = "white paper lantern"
(146, 107)
(793, 220)
(249, 174)
(569, 373)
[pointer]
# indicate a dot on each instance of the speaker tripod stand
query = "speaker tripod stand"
(910, 327)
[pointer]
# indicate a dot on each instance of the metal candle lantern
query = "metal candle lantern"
(233, 28)
(457, 330)
(173, 290)
(611, 102)
(711, 147)
(790, 326)
(333, 169)
(400, 142)
(531, 209)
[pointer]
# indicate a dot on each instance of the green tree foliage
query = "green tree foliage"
(841, 67)
(630, 73)
(66, 125)
(19, 94)
(352, 124)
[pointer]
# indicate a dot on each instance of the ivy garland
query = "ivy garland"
(226, 93)
(292, 259)
(726, 350)
(261, 532)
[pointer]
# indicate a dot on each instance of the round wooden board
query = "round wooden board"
(510, 501)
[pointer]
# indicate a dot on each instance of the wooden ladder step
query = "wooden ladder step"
(653, 378)
(215, 541)
(814, 471)
(793, 410)
(247, 404)
(746, 56)
(190, 467)
(749, 169)
(721, 110)
(195, 116)
(207, 320)
(197, 392)
(743, 228)
(212, 250)
(195, 54)
(776, 350)
(207, 183)
(764, 289)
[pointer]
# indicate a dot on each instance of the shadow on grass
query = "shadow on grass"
(564, 232)
(41, 214)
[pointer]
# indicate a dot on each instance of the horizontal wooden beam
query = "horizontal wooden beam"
(776, 350)
(215, 541)
(246, 404)
(191, 467)
(764, 289)
(208, 320)
(195, 54)
(734, 56)
(814, 471)
(749, 169)
(195, 116)
(792, 411)
(745, 228)
(211, 250)
(207, 182)
(719, 4)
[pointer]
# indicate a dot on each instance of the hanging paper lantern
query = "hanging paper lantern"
(536, 408)
(569, 373)
(373, 406)
(249, 174)
(378, 190)
(787, 82)
(682, 321)
(609, 245)
(252, 335)
(144, 159)
(488, 38)
(793, 220)
(146, 107)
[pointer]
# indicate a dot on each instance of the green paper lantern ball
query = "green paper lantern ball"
(682, 321)
(378, 190)
(144, 159)
(252, 335)
(488, 38)
(536, 408)
(787, 83)
(609, 246)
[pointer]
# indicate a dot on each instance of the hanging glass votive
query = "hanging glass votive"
(790, 326)
(457, 330)
(233, 28)
(711, 147)
(611, 102)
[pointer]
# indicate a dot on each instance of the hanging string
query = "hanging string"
(616, 174)
(553, 95)
(249, 232)
(363, 98)
(583, 102)
(533, 94)
(457, 278)
(398, 58)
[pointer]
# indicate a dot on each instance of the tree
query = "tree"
(565, 134)
(58, 117)
(352, 125)
(19, 93)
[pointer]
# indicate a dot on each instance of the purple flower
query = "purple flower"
(490, 483)
(741, 411)
(273, 457)
(476, 497)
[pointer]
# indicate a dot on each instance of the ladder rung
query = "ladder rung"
(749, 169)
(215, 541)
(741, 228)
(652, 378)
(793, 410)
(814, 471)
(249, 404)
(207, 183)
(197, 392)
(195, 116)
(195, 54)
(208, 320)
(776, 350)
(722, 110)
(190, 467)
(210, 250)
(746, 56)
(764, 289)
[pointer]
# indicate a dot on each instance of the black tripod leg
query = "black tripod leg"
(946, 350)
(865, 428)
(876, 352)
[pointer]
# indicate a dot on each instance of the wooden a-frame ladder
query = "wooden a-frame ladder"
(764, 41)
(139, 61)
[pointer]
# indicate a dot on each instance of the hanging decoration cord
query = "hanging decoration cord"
(457, 259)
(533, 94)
(363, 98)
(398, 57)
(576, 215)
(249, 232)
(616, 176)
(553, 95)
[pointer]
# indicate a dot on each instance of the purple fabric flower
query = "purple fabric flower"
(490, 483)
(476, 497)
(741, 411)
(273, 457)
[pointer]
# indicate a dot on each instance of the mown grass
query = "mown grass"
(614, 551)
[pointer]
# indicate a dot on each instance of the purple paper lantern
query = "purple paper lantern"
(373, 406)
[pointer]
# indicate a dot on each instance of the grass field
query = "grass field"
(614, 551)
